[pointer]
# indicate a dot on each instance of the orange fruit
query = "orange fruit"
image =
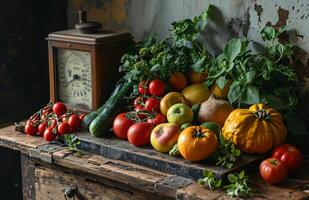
(178, 81)
(221, 94)
(197, 78)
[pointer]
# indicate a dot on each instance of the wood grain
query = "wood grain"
(18, 141)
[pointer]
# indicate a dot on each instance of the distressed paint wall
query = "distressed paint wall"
(230, 18)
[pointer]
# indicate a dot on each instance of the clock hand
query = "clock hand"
(75, 77)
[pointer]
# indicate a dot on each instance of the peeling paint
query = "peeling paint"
(259, 10)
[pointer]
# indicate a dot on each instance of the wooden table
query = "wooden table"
(49, 170)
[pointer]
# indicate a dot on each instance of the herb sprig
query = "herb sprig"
(73, 143)
(239, 184)
(227, 154)
(265, 76)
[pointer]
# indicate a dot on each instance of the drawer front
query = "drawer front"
(52, 185)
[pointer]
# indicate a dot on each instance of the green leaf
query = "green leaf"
(250, 76)
(252, 95)
(221, 82)
(235, 92)
(232, 49)
(232, 178)
(294, 124)
(155, 68)
(268, 33)
(198, 65)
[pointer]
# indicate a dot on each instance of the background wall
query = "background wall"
(23, 54)
(230, 18)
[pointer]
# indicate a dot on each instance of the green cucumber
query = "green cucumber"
(103, 122)
(91, 116)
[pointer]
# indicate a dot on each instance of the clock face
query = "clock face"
(74, 78)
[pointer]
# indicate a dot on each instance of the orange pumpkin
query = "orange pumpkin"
(196, 143)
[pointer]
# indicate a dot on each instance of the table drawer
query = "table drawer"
(52, 185)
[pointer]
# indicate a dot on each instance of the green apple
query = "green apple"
(164, 136)
(179, 114)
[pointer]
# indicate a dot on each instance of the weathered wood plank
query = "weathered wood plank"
(146, 156)
(27, 171)
(130, 174)
(18, 141)
(87, 190)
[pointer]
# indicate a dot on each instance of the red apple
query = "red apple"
(164, 136)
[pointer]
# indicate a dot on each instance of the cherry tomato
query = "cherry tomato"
(158, 119)
(289, 155)
(156, 87)
(75, 122)
(41, 128)
(63, 128)
(46, 112)
(139, 101)
(140, 108)
(49, 135)
(273, 170)
(143, 88)
(59, 108)
(81, 116)
(139, 133)
(152, 104)
(52, 123)
(31, 129)
(121, 126)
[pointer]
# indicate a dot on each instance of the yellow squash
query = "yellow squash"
(255, 130)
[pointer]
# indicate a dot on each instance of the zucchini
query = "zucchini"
(112, 107)
(174, 151)
(91, 116)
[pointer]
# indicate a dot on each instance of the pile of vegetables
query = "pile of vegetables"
(183, 101)
(53, 122)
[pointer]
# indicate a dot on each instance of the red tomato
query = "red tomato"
(139, 133)
(121, 126)
(59, 108)
(273, 170)
(52, 123)
(143, 88)
(139, 101)
(63, 128)
(158, 119)
(46, 112)
(81, 116)
(31, 129)
(49, 135)
(41, 128)
(75, 122)
(152, 104)
(156, 87)
(289, 155)
(140, 108)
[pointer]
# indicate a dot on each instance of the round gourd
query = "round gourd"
(196, 143)
(255, 130)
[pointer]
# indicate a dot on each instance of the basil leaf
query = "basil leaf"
(250, 76)
(232, 49)
(252, 95)
(221, 82)
(268, 33)
(198, 65)
(235, 92)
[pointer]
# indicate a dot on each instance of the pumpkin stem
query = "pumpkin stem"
(198, 133)
(262, 115)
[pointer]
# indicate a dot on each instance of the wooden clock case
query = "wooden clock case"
(106, 49)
